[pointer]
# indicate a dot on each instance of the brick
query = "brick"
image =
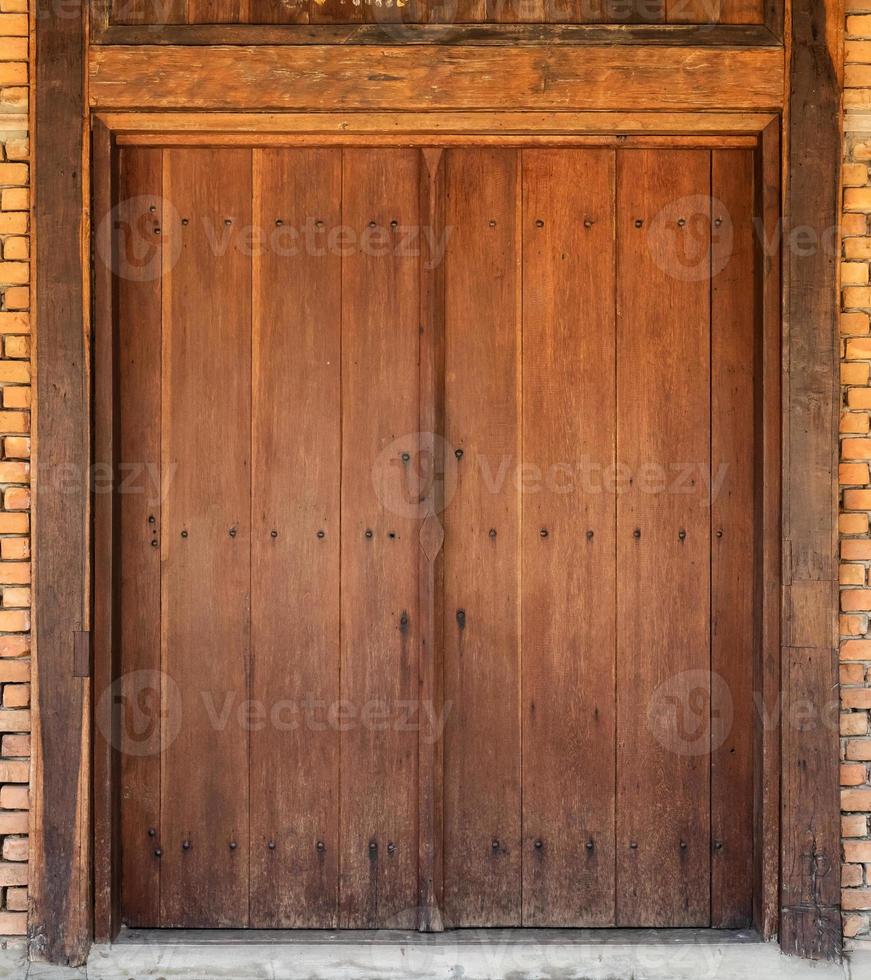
(14, 549)
(13, 49)
(855, 550)
(15, 849)
(16, 447)
(17, 347)
(853, 473)
(14, 797)
(854, 174)
(16, 899)
(856, 199)
(13, 647)
(21, 398)
(853, 774)
(853, 625)
(854, 324)
(15, 746)
(14, 721)
(855, 374)
(852, 273)
(14, 671)
(14, 523)
(856, 698)
(852, 423)
(847, 673)
(857, 499)
(851, 574)
(859, 349)
(16, 822)
(856, 898)
(16, 498)
(16, 598)
(12, 371)
(852, 723)
(14, 620)
(854, 825)
(17, 297)
(853, 800)
(13, 923)
(852, 223)
(13, 25)
(859, 398)
(12, 472)
(856, 449)
(853, 523)
(852, 876)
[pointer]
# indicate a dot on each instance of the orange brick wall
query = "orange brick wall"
(14, 466)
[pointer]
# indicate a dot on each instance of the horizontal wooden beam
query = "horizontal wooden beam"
(701, 35)
(414, 78)
(437, 124)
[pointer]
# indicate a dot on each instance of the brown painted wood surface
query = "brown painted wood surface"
(663, 538)
(810, 885)
(206, 582)
(379, 615)
(482, 524)
(349, 77)
(438, 11)
(296, 455)
(139, 528)
(567, 548)
(60, 919)
(734, 377)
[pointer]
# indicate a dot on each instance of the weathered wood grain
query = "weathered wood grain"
(295, 461)
(205, 541)
(810, 856)
(734, 375)
(482, 524)
(568, 567)
(61, 845)
(592, 77)
(663, 538)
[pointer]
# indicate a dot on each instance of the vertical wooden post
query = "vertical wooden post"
(810, 922)
(60, 924)
(430, 564)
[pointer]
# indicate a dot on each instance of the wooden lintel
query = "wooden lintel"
(417, 78)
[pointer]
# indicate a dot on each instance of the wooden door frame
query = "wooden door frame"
(798, 819)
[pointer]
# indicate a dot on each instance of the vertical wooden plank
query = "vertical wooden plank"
(60, 860)
(431, 464)
(294, 755)
(663, 538)
(810, 834)
(380, 528)
(768, 590)
(568, 565)
(482, 524)
(104, 181)
(205, 549)
(138, 286)
(733, 519)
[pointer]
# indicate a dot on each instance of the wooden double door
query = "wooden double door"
(437, 532)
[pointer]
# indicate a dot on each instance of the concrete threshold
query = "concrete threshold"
(470, 954)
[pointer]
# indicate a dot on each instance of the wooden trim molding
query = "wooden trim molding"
(499, 35)
(810, 844)
(60, 871)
